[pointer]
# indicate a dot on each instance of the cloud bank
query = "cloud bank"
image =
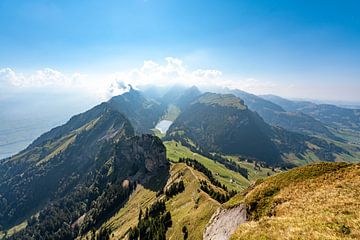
(166, 73)
(41, 78)
(47, 80)
(171, 71)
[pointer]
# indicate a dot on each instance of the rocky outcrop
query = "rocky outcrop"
(143, 159)
(224, 222)
(145, 150)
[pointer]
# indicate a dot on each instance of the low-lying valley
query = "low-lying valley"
(223, 165)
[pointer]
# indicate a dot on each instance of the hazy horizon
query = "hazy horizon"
(291, 49)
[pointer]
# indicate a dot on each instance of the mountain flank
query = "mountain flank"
(91, 165)
(322, 198)
(222, 123)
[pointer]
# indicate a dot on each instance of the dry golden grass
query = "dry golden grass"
(320, 201)
(128, 216)
(192, 208)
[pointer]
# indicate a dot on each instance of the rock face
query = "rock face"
(143, 158)
(148, 150)
(224, 222)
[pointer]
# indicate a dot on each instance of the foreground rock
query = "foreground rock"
(224, 223)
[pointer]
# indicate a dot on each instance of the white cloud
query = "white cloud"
(41, 78)
(172, 71)
(8, 76)
(49, 79)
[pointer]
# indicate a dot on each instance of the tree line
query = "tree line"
(220, 197)
(153, 224)
(229, 164)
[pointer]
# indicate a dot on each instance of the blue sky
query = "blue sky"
(282, 46)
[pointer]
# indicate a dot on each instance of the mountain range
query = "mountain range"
(223, 123)
(109, 174)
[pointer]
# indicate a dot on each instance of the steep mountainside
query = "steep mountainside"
(181, 97)
(254, 102)
(287, 104)
(318, 201)
(277, 115)
(222, 123)
(90, 165)
(330, 114)
(142, 112)
(190, 208)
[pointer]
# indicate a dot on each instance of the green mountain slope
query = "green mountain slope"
(191, 208)
(329, 114)
(223, 124)
(83, 165)
(278, 115)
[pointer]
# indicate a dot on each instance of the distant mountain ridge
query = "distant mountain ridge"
(180, 96)
(223, 123)
(277, 115)
(330, 114)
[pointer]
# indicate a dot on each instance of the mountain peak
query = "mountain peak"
(224, 100)
(193, 88)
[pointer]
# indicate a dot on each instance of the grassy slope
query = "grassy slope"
(254, 174)
(52, 148)
(319, 201)
(128, 216)
(352, 144)
(192, 207)
(175, 150)
(226, 100)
